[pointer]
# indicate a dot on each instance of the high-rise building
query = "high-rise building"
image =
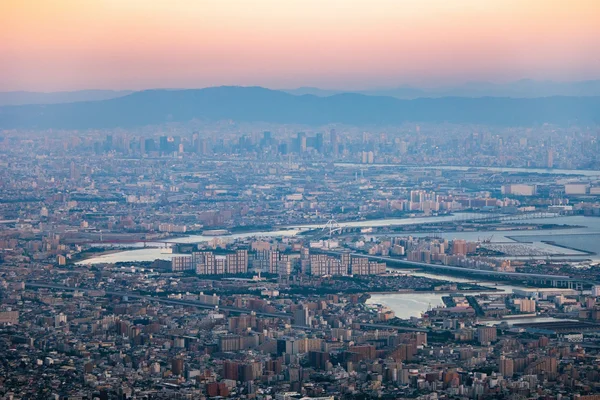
(231, 370)
(459, 246)
(237, 263)
(267, 139)
(319, 142)
(506, 367)
(177, 366)
(302, 317)
(149, 145)
(163, 145)
(318, 359)
(60, 320)
(284, 268)
(334, 142)
(108, 143)
(486, 334)
(300, 142)
(181, 263)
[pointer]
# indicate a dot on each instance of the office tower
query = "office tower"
(334, 142)
(74, 171)
(108, 143)
(267, 139)
(163, 145)
(204, 147)
(245, 143)
(550, 158)
(149, 145)
(403, 147)
(319, 142)
(300, 142)
(174, 142)
(282, 149)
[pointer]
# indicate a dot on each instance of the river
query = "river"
(150, 253)
(584, 238)
(580, 172)
(407, 305)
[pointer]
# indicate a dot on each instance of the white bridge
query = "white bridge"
(331, 227)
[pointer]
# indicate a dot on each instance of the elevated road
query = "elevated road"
(196, 304)
(187, 303)
(518, 275)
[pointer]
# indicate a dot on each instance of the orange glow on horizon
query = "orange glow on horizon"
(135, 44)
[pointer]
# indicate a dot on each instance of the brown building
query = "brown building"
(506, 367)
(177, 366)
(231, 370)
(486, 334)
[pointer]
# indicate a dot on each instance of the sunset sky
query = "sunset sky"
(49, 45)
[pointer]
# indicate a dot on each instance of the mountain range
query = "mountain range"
(256, 104)
(22, 98)
(524, 88)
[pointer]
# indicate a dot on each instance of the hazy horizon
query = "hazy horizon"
(325, 88)
(67, 45)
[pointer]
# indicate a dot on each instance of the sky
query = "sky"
(52, 45)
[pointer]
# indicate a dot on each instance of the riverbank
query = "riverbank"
(413, 304)
(408, 291)
(88, 254)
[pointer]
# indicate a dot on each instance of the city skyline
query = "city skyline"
(65, 45)
(300, 200)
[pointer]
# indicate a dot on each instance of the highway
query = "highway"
(523, 275)
(196, 304)
(161, 300)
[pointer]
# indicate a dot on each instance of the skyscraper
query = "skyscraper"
(319, 142)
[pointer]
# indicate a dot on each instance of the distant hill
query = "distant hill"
(524, 88)
(255, 104)
(22, 98)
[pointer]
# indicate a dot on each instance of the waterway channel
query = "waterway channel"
(405, 305)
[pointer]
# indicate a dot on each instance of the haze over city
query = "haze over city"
(300, 200)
